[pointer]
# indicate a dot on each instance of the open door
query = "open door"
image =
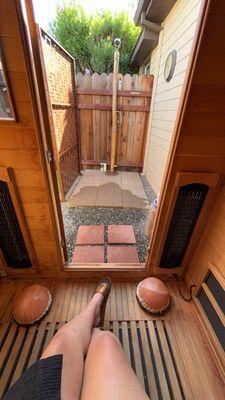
(44, 118)
(58, 66)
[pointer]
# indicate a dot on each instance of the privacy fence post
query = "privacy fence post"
(114, 110)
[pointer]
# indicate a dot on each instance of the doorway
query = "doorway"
(104, 215)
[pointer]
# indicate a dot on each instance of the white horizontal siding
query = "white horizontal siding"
(178, 33)
(153, 60)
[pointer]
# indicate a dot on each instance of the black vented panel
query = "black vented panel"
(11, 239)
(190, 200)
(213, 318)
(216, 290)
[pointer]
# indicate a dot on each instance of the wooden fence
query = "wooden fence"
(95, 118)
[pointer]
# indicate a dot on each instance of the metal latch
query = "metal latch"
(49, 156)
(3, 272)
(62, 242)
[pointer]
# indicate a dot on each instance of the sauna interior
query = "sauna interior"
(178, 355)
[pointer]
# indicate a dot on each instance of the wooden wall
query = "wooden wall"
(208, 117)
(199, 144)
(178, 32)
(19, 147)
(211, 249)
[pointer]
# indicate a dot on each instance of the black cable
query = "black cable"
(180, 292)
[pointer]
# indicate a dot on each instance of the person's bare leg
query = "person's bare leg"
(72, 340)
(107, 373)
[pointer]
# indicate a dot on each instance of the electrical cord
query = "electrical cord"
(180, 292)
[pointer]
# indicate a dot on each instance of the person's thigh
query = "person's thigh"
(107, 373)
(67, 344)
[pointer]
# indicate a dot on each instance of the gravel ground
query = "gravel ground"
(73, 217)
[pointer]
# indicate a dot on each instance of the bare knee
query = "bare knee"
(61, 343)
(105, 340)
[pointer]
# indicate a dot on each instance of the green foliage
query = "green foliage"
(89, 39)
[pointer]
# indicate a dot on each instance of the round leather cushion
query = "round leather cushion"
(153, 295)
(31, 304)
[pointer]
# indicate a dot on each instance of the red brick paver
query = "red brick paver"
(121, 234)
(88, 254)
(122, 254)
(92, 234)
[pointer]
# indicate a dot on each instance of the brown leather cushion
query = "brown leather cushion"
(153, 295)
(31, 304)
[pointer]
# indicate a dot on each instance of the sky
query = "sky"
(45, 10)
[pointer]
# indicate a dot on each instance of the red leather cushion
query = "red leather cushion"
(31, 304)
(153, 295)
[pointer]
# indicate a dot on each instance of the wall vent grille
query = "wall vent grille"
(12, 243)
(189, 202)
(210, 298)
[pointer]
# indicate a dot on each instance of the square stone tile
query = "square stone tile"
(85, 197)
(88, 254)
(121, 234)
(109, 195)
(91, 234)
(122, 254)
(130, 178)
(135, 190)
(132, 201)
(93, 172)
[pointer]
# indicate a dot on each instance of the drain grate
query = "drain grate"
(148, 346)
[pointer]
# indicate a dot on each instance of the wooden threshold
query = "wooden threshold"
(105, 267)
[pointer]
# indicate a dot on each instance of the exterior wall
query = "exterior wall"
(153, 61)
(178, 33)
(210, 251)
(200, 148)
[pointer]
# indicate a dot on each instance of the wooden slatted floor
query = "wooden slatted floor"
(147, 345)
(171, 354)
(70, 298)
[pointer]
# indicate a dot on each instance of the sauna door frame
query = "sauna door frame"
(32, 46)
(132, 270)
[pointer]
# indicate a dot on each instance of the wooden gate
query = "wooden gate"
(95, 118)
(60, 85)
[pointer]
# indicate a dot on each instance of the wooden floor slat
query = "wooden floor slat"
(125, 338)
(158, 361)
(148, 362)
(169, 363)
(23, 358)
(136, 352)
(37, 344)
(134, 338)
(11, 362)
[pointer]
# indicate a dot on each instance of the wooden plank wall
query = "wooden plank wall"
(95, 103)
(19, 148)
(200, 146)
(210, 252)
